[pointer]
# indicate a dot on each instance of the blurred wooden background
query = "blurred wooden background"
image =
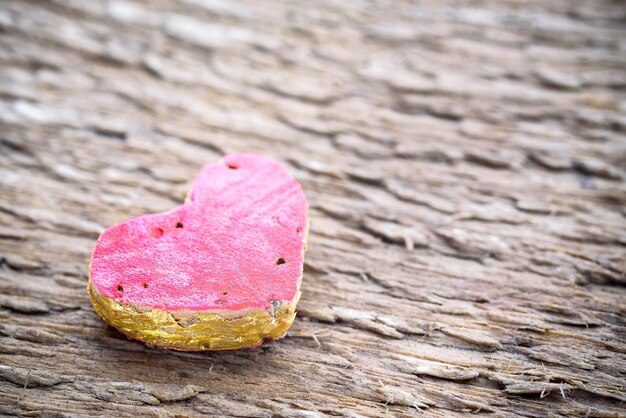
(464, 163)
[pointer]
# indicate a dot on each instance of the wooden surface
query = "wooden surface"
(464, 163)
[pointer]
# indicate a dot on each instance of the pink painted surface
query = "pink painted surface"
(223, 250)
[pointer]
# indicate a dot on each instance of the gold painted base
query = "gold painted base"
(195, 330)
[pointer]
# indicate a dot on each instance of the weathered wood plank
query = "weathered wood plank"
(465, 167)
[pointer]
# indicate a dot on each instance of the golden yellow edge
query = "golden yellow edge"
(197, 330)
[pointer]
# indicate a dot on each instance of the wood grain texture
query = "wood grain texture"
(464, 162)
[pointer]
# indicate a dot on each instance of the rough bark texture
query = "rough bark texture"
(464, 162)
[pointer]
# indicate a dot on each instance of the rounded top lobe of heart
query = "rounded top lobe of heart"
(236, 244)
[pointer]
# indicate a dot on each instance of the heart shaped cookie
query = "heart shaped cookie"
(220, 272)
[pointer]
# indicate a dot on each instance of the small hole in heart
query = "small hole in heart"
(179, 224)
(225, 293)
(120, 289)
(280, 261)
(145, 285)
(221, 302)
(298, 230)
(233, 166)
(157, 232)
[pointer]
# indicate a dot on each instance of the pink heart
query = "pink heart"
(235, 246)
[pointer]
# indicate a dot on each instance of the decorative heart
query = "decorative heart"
(222, 271)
